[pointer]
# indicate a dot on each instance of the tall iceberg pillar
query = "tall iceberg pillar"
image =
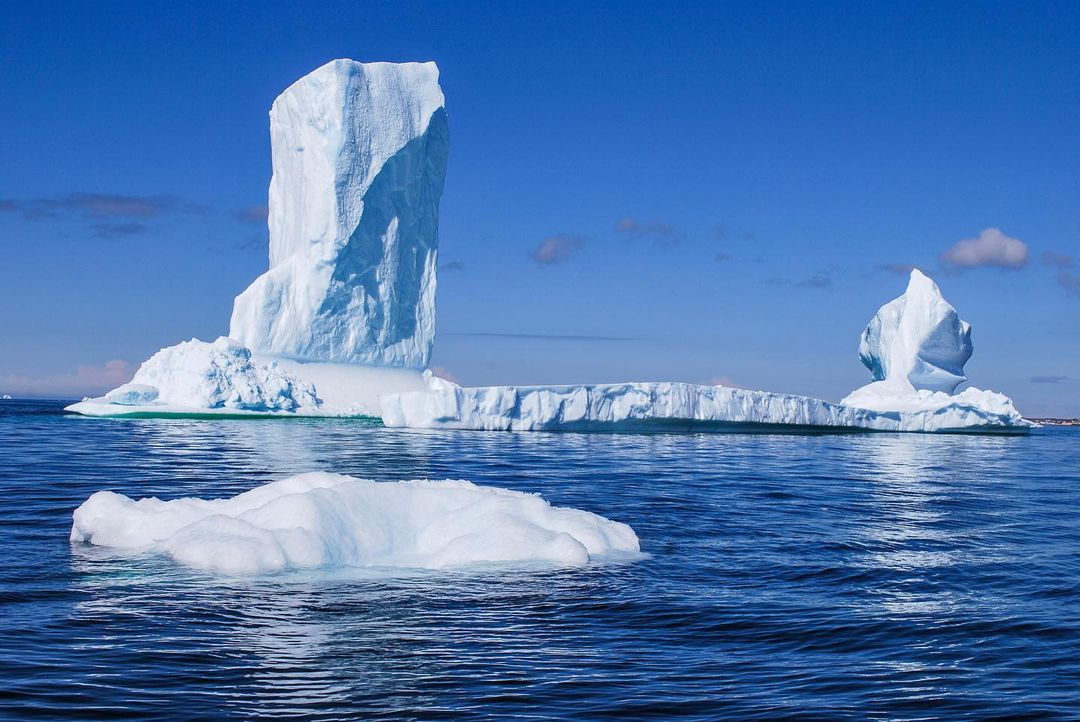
(359, 156)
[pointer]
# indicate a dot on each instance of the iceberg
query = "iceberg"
(915, 347)
(347, 306)
(343, 322)
(320, 520)
(213, 377)
(918, 339)
(359, 155)
(669, 406)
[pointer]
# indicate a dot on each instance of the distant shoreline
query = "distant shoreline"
(1057, 422)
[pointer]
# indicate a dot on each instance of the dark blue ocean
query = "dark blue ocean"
(814, 577)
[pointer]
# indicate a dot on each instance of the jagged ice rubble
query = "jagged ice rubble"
(343, 322)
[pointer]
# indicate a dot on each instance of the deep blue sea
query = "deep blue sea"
(814, 577)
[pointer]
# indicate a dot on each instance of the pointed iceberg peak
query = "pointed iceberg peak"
(918, 338)
(359, 155)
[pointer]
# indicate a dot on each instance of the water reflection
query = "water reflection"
(789, 577)
(923, 494)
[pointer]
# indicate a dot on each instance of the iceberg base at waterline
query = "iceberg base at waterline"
(666, 406)
(320, 520)
(224, 378)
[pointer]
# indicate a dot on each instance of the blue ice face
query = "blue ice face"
(918, 337)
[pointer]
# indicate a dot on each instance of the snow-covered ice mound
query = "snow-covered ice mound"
(213, 377)
(225, 379)
(320, 520)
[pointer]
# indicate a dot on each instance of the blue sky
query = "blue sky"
(636, 191)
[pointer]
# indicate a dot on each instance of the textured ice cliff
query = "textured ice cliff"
(359, 155)
(320, 520)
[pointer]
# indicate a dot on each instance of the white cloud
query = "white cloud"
(991, 249)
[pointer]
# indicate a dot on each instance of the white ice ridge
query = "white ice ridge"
(665, 406)
(359, 155)
(320, 520)
(916, 345)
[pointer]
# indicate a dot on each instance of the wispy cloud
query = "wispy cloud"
(94, 206)
(1070, 282)
(900, 269)
(557, 249)
(631, 227)
(816, 281)
(254, 214)
(118, 230)
(1052, 259)
(452, 266)
(1048, 379)
(721, 257)
(255, 240)
(85, 380)
(724, 234)
(991, 249)
(819, 281)
(1065, 277)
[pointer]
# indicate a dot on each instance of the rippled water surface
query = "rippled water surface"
(862, 576)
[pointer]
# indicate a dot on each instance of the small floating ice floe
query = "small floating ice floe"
(321, 520)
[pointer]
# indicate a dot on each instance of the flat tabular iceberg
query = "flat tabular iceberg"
(915, 339)
(667, 406)
(320, 520)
